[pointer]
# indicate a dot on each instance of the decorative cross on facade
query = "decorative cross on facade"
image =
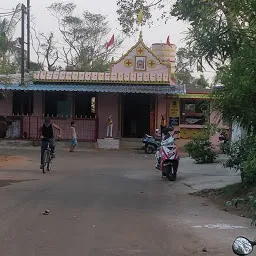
(128, 63)
(151, 63)
(140, 50)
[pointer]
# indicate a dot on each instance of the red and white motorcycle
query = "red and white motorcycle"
(167, 156)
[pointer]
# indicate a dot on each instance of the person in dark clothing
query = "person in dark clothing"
(163, 125)
(47, 135)
(3, 127)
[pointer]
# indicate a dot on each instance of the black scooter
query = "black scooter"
(151, 143)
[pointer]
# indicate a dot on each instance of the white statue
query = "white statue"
(110, 127)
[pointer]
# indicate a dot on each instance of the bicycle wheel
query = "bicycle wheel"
(45, 160)
(49, 162)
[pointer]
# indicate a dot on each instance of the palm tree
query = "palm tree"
(8, 46)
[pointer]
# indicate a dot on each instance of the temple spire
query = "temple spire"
(141, 36)
(140, 20)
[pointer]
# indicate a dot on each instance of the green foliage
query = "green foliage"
(200, 148)
(186, 64)
(225, 147)
(9, 48)
(250, 168)
(128, 11)
(236, 101)
(214, 32)
(249, 204)
(201, 82)
(242, 157)
(239, 195)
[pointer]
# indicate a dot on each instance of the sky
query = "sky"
(158, 33)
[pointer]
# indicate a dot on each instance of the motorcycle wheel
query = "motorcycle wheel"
(149, 149)
(170, 172)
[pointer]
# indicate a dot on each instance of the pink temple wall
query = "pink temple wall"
(6, 105)
(120, 67)
(107, 105)
(86, 128)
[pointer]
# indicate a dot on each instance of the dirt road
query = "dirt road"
(108, 204)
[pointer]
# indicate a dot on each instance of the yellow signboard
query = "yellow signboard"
(195, 96)
(174, 108)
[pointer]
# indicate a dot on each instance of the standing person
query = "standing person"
(110, 127)
(163, 125)
(47, 136)
(73, 136)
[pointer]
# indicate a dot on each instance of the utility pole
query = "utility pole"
(22, 42)
(28, 36)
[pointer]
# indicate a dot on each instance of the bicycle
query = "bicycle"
(47, 158)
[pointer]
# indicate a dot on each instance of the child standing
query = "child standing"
(73, 136)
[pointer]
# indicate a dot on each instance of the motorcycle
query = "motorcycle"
(224, 145)
(167, 157)
(151, 143)
(243, 246)
(223, 137)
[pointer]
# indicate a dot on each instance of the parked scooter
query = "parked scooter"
(224, 139)
(243, 246)
(152, 143)
(167, 155)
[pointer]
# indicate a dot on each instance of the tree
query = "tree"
(128, 11)
(49, 51)
(236, 100)
(45, 48)
(186, 65)
(84, 38)
(34, 66)
(9, 47)
(217, 28)
(201, 82)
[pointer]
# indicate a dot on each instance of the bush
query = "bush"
(242, 157)
(250, 169)
(225, 147)
(200, 149)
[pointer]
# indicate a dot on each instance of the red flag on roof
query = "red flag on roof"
(112, 40)
(168, 41)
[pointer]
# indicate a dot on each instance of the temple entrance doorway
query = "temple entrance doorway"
(137, 112)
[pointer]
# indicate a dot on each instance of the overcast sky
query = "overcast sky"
(156, 34)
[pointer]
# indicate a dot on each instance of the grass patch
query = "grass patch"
(229, 192)
(238, 199)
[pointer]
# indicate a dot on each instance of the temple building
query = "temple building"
(137, 91)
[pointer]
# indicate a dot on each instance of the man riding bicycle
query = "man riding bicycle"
(47, 136)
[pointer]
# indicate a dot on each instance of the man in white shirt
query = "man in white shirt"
(73, 137)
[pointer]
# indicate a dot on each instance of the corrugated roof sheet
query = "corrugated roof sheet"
(124, 88)
(193, 89)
